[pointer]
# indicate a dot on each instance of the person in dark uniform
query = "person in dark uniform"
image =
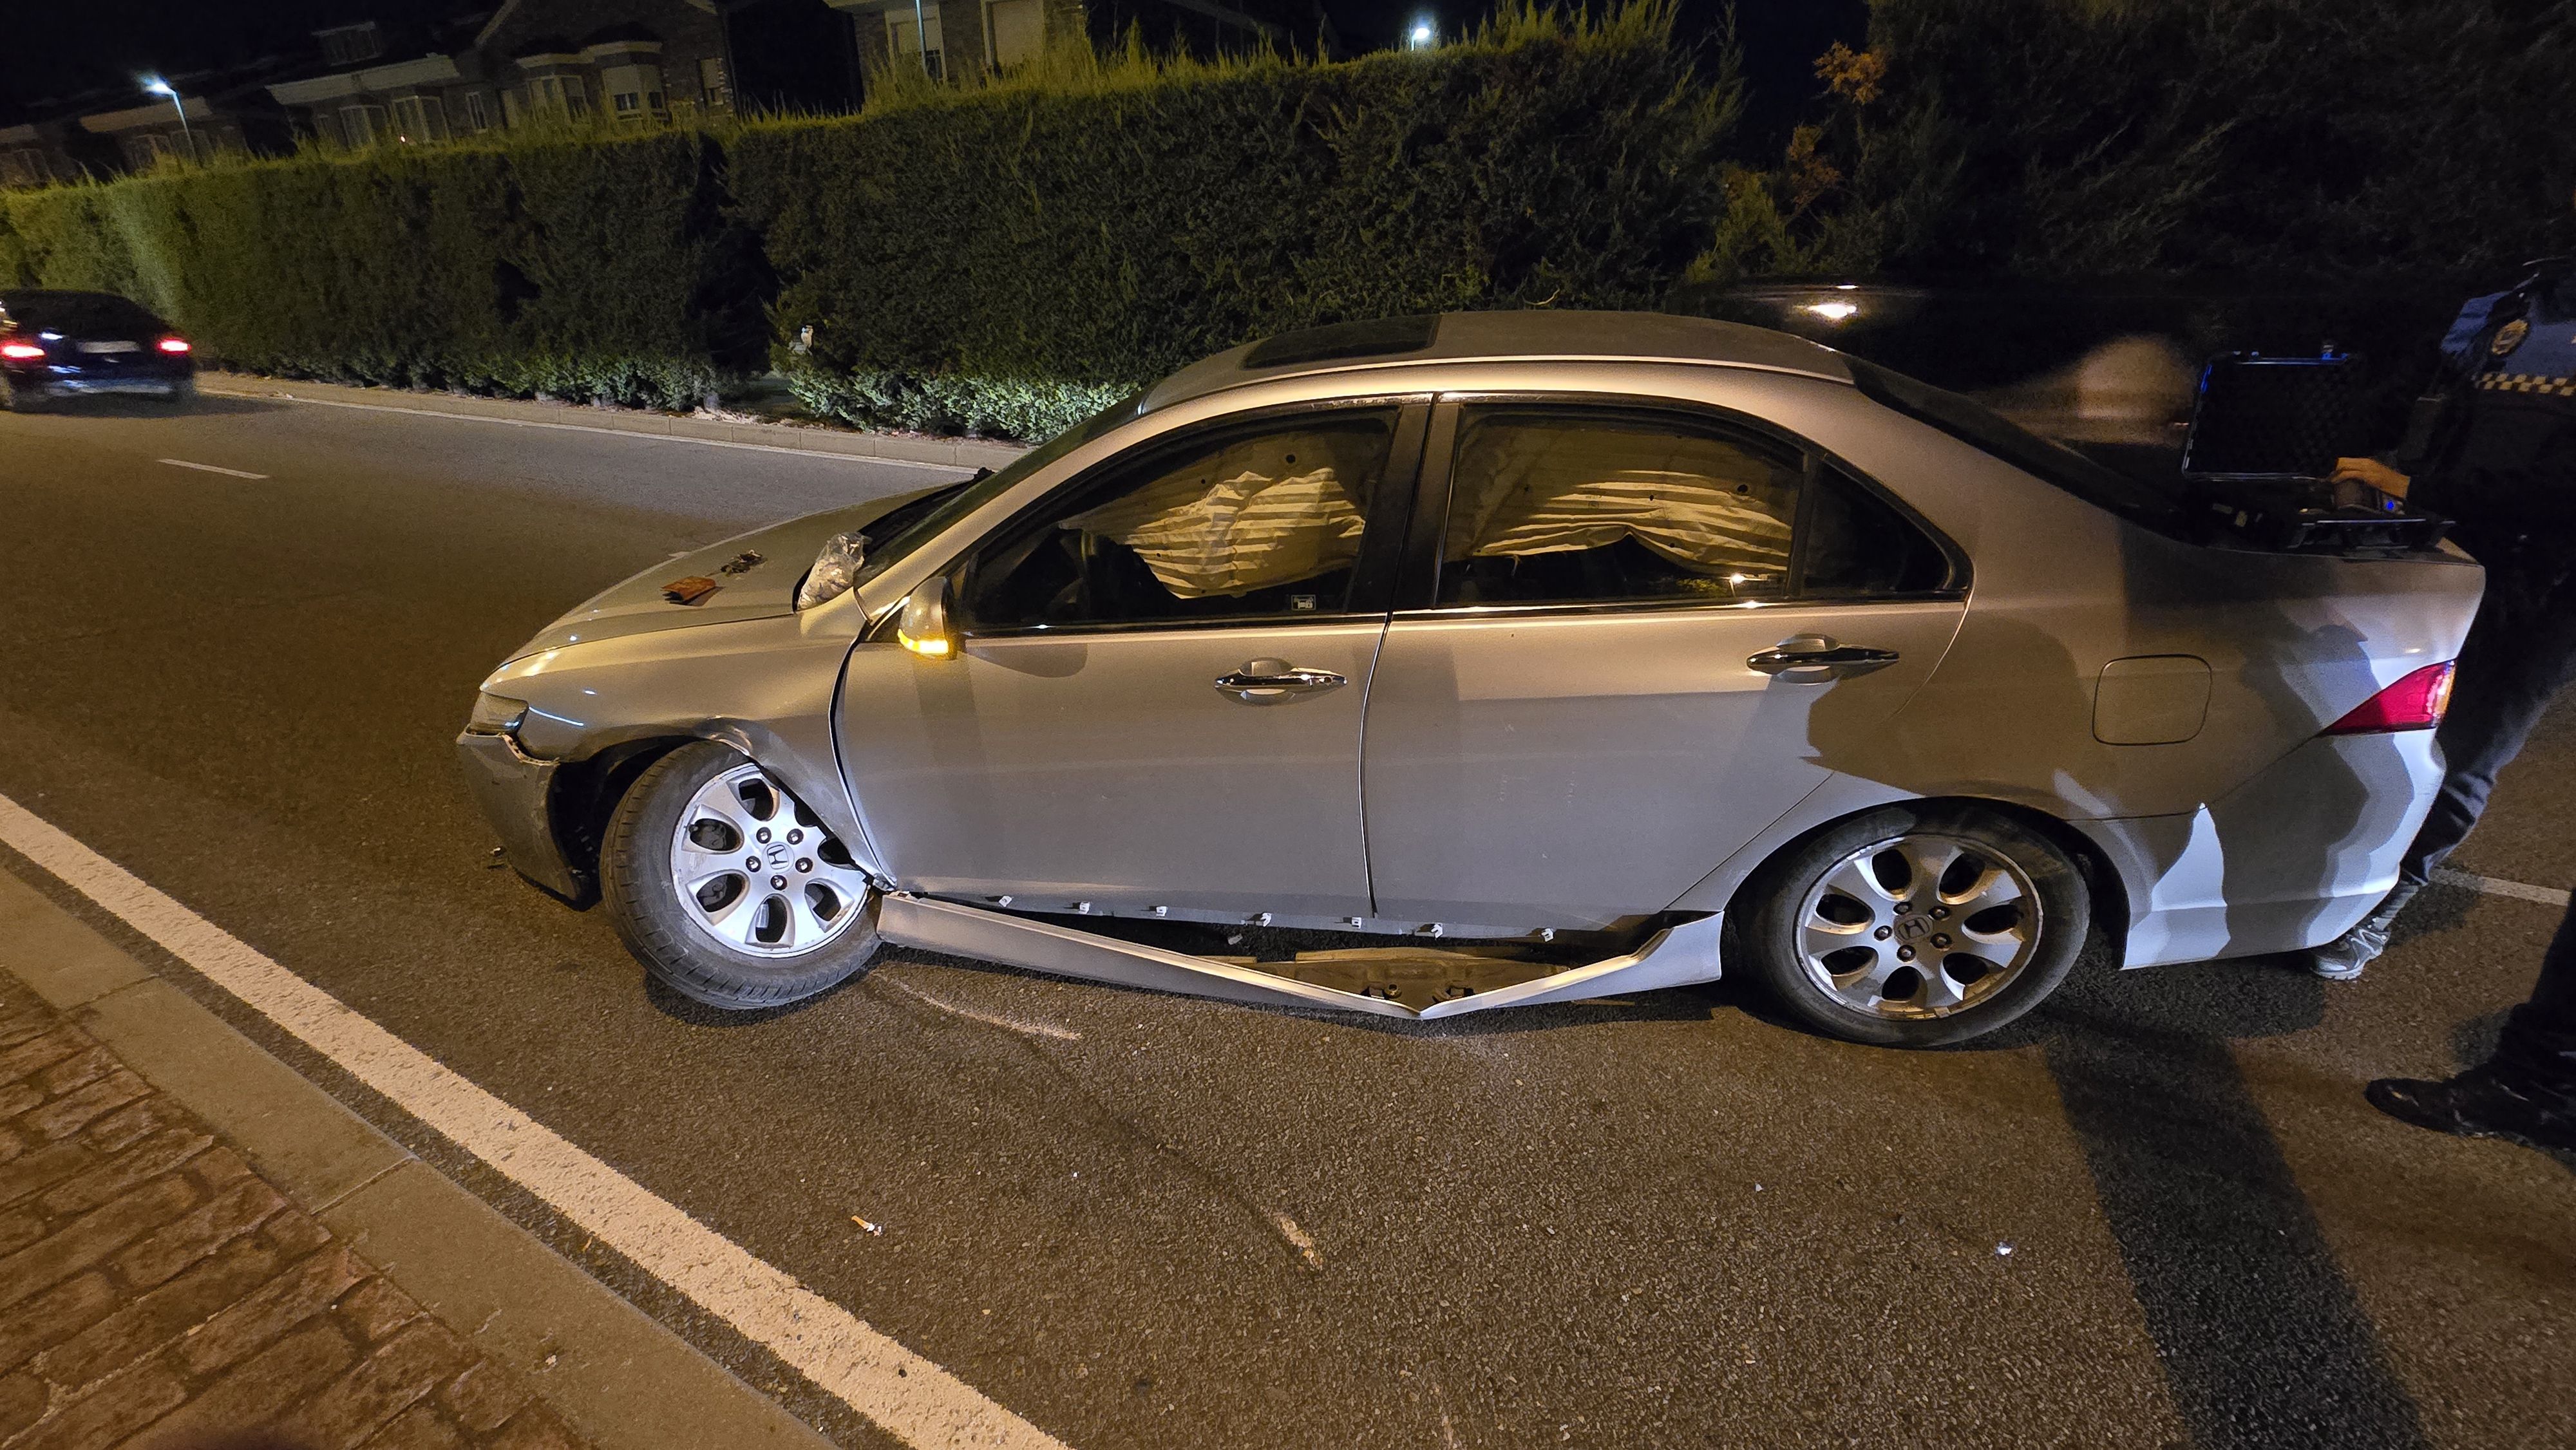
(2493, 448)
(2527, 1091)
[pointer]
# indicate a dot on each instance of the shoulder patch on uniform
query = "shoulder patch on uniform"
(2509, 337)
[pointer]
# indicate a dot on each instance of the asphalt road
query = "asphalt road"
(2158, 1213)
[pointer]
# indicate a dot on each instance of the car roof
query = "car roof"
(1529, 335)
(59, 294)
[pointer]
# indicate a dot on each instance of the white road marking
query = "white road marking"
(2545, 895)
(595, 428)
(910, 1397)
(1007, 1024)
(210, 468)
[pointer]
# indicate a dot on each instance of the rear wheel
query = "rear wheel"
(182, 392)
(13, 398)
(1916, 926)
(728, 888)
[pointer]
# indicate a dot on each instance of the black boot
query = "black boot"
(2479, 1103)
(2342, 959)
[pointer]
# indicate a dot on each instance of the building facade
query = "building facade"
(529, 62)
(962, 37)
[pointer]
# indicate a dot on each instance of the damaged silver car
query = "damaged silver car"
(1439, 665)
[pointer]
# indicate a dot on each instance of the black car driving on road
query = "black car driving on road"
(56, 344)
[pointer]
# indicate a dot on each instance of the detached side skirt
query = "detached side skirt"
(1674, 956)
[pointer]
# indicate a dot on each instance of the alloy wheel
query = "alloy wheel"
(759, 871)
(1919, 925)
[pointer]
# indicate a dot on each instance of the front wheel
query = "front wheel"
(728, 889)
(1916, 926)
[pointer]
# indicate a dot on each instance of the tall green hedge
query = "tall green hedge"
(995, 260)
(2304, 139)
(999, 260)
(568, 268)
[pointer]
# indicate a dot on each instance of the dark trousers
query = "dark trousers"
(2537, 1053)
(2519, 654)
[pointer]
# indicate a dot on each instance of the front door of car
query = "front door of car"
(1157, 695)
(1629, 639)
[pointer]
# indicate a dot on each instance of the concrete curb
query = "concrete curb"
(958, 453)
(608, 1368)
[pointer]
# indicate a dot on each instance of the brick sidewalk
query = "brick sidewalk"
(156, 1293)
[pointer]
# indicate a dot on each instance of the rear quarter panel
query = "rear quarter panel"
(2062, 588)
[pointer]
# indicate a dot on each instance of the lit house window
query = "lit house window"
(418, 119)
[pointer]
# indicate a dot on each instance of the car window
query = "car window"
(2050, 462)
(1251, 523)
(906, 529)
(1566, 506)
(80, 312)
(1856, 545)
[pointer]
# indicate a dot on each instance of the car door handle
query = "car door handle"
(1814, 658)
(1262, 682)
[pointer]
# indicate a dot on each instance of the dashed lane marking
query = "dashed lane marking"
(210, 468)
(595, 428)
(2492, 886)
(913, 1399)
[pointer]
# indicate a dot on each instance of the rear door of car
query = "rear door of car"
(1158, 692)
(1631, 634)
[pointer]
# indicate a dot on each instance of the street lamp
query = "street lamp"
(160, 87)
(1422, 35)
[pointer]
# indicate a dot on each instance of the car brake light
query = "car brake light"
(173, 344)
(20, 349)
(2415, 702)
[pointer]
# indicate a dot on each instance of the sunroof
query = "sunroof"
(1377, 337)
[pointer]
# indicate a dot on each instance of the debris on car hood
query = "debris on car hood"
(750, 576)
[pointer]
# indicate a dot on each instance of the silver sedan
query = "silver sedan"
(1445, 664)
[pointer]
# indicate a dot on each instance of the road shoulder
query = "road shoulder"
(433, 1319)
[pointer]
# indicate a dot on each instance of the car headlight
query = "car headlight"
(495, 715)
(835, 569)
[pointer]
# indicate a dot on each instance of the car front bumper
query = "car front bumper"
(516, 793)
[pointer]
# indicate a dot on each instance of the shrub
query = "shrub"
(1006, 258)
(2308, 138)
(571, 266)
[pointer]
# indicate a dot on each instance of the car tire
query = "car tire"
(14, 399)
(711, 947)
(2005, 919)
(182, 393)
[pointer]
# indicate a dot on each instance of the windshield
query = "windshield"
(978, 492)
(1982, 428)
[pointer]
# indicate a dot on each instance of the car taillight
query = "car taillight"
(2413, 703)
(20, 350)
(172, 344)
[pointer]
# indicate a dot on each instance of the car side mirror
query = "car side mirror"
(924, 628)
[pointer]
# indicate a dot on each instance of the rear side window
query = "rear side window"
(1566, 506)
(80, 312)
(1855, 545)
(1982, 428)
(1598, 505)
(1255, 523)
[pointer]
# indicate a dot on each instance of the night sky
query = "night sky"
(54, 48)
